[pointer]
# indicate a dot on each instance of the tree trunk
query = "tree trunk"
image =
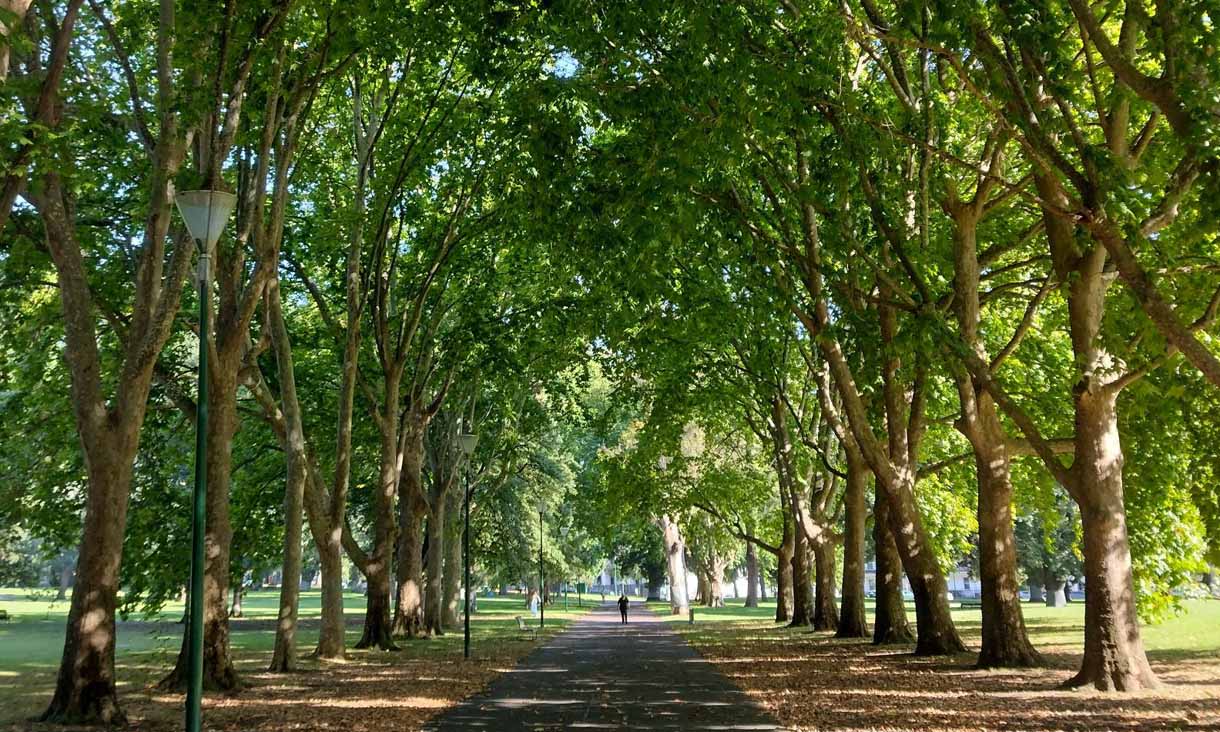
(502, 591)
(853, 621)
(825, 611)
(378, 629)
(332, 639)
(85, 688)
(1035, 590)
(218, 671)
(453, 559)
(751, 575)
(434, 590)
(1055, 596)
(239, 594)
(65, 581)
(1005, 641)
(284, 655)
(1114, 658)
(890, 618)
(802, 589)
(675, 565)
(783, 573)
(409, 611)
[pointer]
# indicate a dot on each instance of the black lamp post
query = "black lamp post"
(467, 442)
(205, 213)
(541, 570)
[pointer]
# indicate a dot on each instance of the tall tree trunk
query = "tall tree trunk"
(802, 587)
(378, 629)
(219, 673)
(853, 622)
(85, 687)
(825, 611)
(283, 656)
(409, 611)
(434, 568)
(1005, 640)
(1114, 657)
(890, 618)
(783, 572)
(751, 575)
(1035, 590)
(675, 564)
(332, 639)
(453, 559)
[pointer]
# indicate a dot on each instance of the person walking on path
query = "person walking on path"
(622, 607)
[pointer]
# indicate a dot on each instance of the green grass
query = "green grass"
(32, 640)
(1194, 633)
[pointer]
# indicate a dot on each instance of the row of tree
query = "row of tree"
(894, 262)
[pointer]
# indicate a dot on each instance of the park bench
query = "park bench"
(521, 626)
(970, 603)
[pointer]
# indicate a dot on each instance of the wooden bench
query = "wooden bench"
(970, 603)
(522, 627)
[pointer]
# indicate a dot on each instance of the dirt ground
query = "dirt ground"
(812, 681)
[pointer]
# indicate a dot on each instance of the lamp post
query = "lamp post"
(541, 569)
(205, 213)
(467, 442)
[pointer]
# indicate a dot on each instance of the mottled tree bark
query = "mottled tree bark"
(1005, 641)
(853, 622)
(675, 564)
(890, 618)
(825, 611)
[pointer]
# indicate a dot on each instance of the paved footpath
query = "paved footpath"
(602, 675)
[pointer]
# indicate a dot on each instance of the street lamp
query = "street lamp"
(205, 213)
(541, 569)
(467, 442)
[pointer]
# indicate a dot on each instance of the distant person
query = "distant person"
(622, 607)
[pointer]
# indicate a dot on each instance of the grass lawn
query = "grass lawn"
(412, 684)
(815, 681)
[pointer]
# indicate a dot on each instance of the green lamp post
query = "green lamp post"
(205, 213)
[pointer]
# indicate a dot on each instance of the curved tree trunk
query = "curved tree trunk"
(825, 611)
(890, 618)
(853, 622)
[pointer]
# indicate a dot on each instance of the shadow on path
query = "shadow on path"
(602, 675)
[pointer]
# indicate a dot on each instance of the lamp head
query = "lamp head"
(467, 441)
(205, 213)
